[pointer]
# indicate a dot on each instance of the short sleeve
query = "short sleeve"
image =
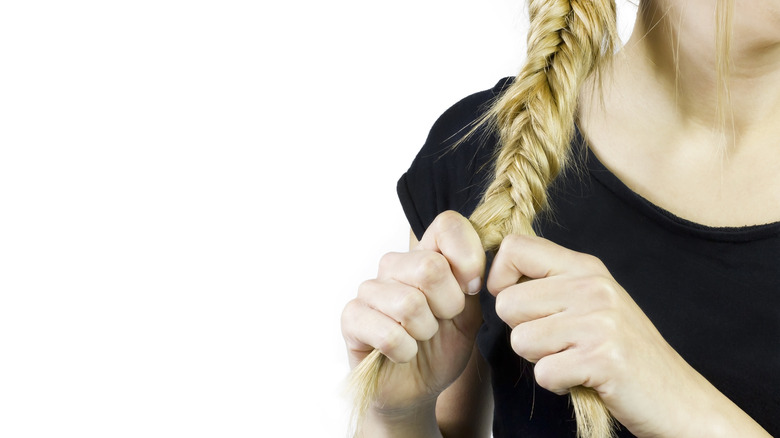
(443, 177)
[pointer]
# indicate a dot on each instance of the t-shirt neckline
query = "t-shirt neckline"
(666, 218)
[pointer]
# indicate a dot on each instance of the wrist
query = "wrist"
(418, 420)
(717, 416)
(725, 419)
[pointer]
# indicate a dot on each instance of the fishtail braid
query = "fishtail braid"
(534, 116)
(568, 41)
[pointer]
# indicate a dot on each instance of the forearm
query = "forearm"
(722, 418)
(415, 422)
(709, 413)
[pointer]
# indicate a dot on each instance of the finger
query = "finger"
(453, 236)
(560, 372)
(405, 304)
(429, 272)
(365, 329)
(532, 300)
(534, 257)
(539, 338)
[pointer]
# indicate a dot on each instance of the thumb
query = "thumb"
(453, 236)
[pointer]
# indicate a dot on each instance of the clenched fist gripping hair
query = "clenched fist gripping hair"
(568, 41)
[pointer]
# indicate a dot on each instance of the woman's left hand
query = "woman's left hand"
(580, 327)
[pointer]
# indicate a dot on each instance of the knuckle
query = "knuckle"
(599, 289)
(411, 305)
(607, 291)
(614, 361)
(431, 268)
(503, 307)
(349, 309)
(520, 341)
(592, 263)
(605, 359)
(611, 354)
(511, 241)
(514, 239)
(386, 261)
(429, 331)
(449, 220)
(544, 376)
(608, 326)
(392, 341)
(366, 288)
(406, 354)
(450, 308)
(474, 263)
(455, 305)
(348, 315)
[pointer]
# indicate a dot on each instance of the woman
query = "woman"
(655, 281)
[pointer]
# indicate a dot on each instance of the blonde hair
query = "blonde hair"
(568, 41)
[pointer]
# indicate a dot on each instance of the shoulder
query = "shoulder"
(444, 176)
(451, 127)
(463, 113)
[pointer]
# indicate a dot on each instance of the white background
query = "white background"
(191, 191)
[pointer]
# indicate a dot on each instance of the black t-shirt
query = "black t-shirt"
(713, 293)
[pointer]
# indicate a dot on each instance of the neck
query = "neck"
(654, 122)
(674, 49)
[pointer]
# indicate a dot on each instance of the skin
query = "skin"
(417, 313)
(676, 159)
(568, 315)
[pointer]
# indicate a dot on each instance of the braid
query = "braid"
(567, 41)
(534, 117)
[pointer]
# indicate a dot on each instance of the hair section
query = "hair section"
(568, 41)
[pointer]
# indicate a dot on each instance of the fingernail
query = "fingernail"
(474, 286)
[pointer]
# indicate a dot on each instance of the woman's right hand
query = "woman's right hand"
(421, 312)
